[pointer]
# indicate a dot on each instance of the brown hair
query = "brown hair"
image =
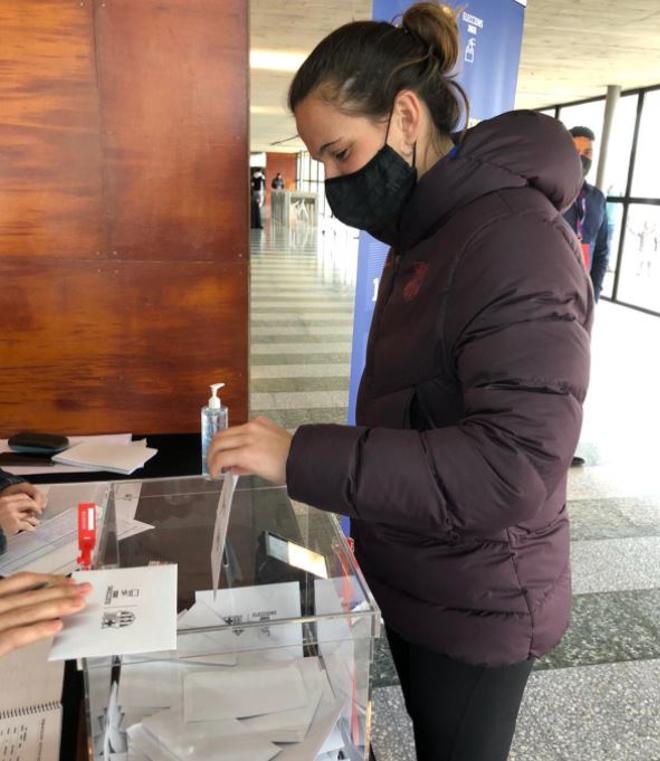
(361, 66)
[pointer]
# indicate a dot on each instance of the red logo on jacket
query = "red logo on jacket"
(414, 284)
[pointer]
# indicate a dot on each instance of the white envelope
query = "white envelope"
(130, 610)
(240, 692)
(325, 719)
(293, 725)
(208, 741)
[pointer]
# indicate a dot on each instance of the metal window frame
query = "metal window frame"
(627, 199)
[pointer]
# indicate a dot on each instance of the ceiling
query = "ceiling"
(572, 49)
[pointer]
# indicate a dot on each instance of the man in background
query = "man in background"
(278, 182)
(587, 216)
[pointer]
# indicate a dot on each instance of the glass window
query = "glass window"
(646, 180)
(586, 115)
(614, 217)
(639, 282)
(548, 112)
(621, 137)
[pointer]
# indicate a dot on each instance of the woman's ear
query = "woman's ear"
(407, 115)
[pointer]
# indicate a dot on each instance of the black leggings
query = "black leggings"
(459, 712)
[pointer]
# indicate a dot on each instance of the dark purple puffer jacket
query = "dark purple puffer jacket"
(470, 405)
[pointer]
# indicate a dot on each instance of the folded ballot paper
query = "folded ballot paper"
(107, 455)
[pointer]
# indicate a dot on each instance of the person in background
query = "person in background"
(32, 606)
(20, 505)
(278, 182)
(259, 186)
(588, 219)
(587, 215)
(477, 366)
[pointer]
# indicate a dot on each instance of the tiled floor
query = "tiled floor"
(596, 697)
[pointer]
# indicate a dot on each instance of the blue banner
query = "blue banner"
(491, 38)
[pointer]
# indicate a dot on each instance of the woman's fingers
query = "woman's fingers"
(22, 636)
(37, 495)
(27, 581)
(19, 502)
(42, 611)
(26, 493)
(48, 594)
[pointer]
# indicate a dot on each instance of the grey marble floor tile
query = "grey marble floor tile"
(310, 316)
(297, 359)
(614, 518)
(299, 307)
(646, 603)
(337, 383)
(317, 370)
(615, 564)
(613, 480)
(280, 298)
(532, 742)
(392, 736)
(303, 339)
(341, 322)
(393, 740)
(607, 628)
(599, 713)
(294, 418)
(296, 400)
(383, 671)
(298, 348)
(280, 332)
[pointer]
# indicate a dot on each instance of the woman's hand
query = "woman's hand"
(20, 504)
(258, 448)
(32, 605)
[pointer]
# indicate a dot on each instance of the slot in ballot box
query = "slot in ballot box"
(275, 664)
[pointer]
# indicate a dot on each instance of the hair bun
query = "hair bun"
(436, 26)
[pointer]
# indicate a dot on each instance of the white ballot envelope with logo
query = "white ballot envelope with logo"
(130, 610)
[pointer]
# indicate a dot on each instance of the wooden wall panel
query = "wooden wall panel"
(124, 280)
(173, 87)
(125, 360)
(50, 157)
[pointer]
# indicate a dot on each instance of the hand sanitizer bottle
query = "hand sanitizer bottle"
(215, 417)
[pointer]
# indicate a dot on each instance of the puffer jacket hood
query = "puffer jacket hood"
(515, 150)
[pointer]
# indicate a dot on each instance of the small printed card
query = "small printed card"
(129, 610)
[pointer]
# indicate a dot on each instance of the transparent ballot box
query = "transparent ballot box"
(275, 664)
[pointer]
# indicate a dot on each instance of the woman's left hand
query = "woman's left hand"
(259, 448)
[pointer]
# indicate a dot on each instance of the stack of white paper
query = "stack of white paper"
(110, 456)
(52, 468)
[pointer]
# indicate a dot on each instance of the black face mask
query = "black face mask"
(586, 165)
(374, 197)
